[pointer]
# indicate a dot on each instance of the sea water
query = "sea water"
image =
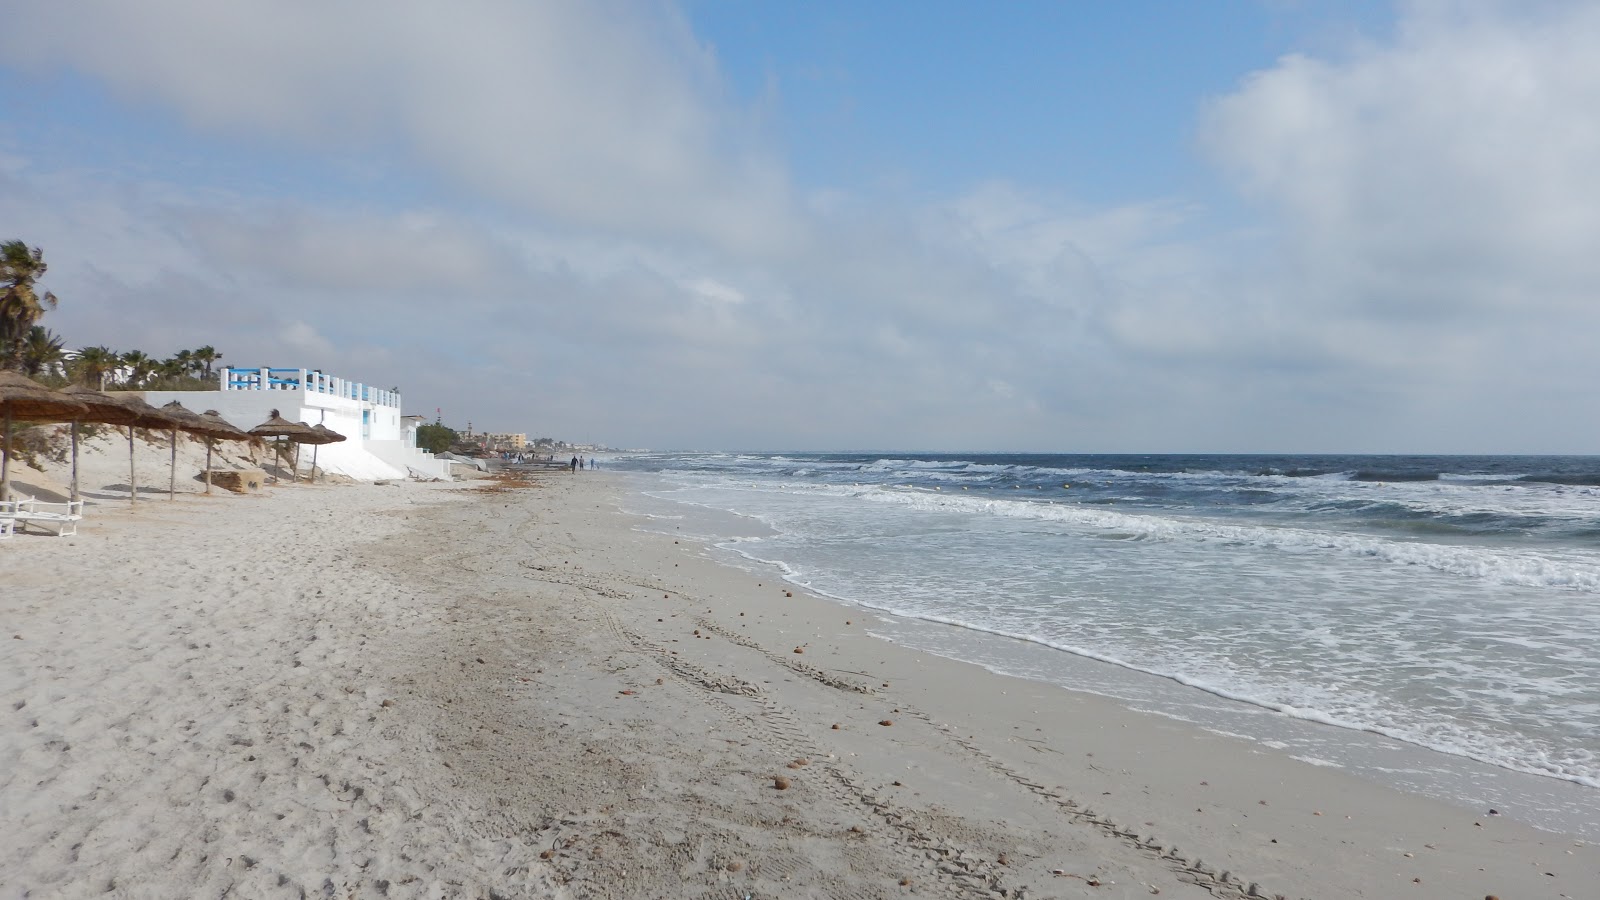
(1431, 621)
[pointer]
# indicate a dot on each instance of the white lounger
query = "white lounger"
(24, 511)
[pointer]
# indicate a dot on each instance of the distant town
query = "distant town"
(470, 441)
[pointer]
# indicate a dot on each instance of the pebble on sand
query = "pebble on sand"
(780, 782)
(886, 722)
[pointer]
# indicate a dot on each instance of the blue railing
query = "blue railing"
(235, 378)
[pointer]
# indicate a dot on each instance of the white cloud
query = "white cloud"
(1429, 267)
(599, 114)
(1437, 206)
(715, 291)
(305, 340)
(1451, 173)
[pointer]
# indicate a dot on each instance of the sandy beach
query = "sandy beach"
(505, 689)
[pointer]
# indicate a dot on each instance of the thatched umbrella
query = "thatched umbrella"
(103, 409)
(185, 420)
(23, 398)
(148, 417)
(221, 429)
(325, 435)
(279, 427)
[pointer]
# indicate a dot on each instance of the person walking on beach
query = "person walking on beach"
(574, 465)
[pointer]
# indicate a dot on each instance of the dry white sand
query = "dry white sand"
(459, 691)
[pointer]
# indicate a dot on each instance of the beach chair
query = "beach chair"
(63, 517)
(7, 525)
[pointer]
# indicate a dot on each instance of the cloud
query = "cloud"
(1443, 176)
(1435, 203)
(1422, 263)
(606, 115)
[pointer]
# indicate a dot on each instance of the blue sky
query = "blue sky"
(1255, 225)
(1097, 100)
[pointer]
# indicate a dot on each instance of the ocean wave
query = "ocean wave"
(1502, 566)
(1562, 479)
(1392, 476)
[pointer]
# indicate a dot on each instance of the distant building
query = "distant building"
(505, 441)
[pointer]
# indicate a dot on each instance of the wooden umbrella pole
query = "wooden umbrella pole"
(5, 458)
(133, 473)
(208, 465)
(74, 459)
(296, 478)
(172, 482)
(314, 449)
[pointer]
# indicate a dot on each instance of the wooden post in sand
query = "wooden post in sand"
(133, 473)
(5, 458)
(74, 495)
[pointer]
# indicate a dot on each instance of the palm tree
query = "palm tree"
(20, 304)
(183, 362)
(169, 370)
(139, 365)
(94, 364)
(207, 356)
(42, 352)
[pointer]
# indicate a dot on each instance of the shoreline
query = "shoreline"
(1318, 786)
(1552, 801)
(517, 690)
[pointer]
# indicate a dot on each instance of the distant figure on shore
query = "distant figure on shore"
(574, 465)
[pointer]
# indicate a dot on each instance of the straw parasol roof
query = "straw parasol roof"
(326, 435)
(148, 416)
(29, 401)
(184, 419)
(277, 426)
(102, 407)
(223, 429)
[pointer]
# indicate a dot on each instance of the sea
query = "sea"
(1430, 622)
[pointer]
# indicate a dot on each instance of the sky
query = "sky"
(1148, 227)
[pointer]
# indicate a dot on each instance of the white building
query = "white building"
(377, 446)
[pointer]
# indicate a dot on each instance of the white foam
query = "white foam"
(1532, 568)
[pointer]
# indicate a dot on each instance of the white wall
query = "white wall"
(247, 409)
